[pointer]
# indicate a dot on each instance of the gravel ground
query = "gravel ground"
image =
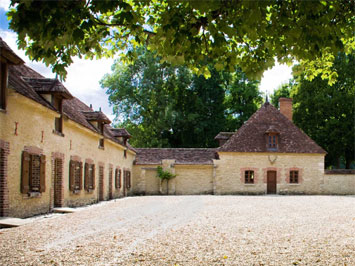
(191, 230)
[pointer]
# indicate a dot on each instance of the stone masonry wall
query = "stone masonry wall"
(231, 166)
(32, 126)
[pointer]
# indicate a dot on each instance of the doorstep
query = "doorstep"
(7, 222)
(64, 210)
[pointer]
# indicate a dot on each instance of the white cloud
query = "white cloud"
(4, 4)
(274, 77)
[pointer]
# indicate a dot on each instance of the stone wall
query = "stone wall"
(29, 124)
(189, 180)
(232, 166)
(339, 182)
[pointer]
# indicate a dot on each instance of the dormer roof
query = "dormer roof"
(96, 116)
(48, 86)
(120, 132)
(9, 55)
(251, 136)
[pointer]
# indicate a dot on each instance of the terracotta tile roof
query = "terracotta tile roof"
(224, 135)
(181, 155)
(7, 52)
(96, 116)
(251, 136)
(20, 78)
(16, 82)
(120, 132)
(47, 85)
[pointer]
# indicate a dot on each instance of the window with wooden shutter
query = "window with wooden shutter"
(249, 177)
(33, 174)
(75, 176)
(89, 177)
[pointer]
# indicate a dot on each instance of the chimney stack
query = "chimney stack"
(286, 107)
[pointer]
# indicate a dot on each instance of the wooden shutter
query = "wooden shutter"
(72, 176)
(116, 180)
(129, 179)
(42, 177)
(86, 177)
(93, 176)
(25, 178)
(119, 178)
(81, 176)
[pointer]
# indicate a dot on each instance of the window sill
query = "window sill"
(101, 147)
(31, 195)
(55, 132)
(75, 192)
(3, 111)
(294, 184)
(90, 190)
(249, 184)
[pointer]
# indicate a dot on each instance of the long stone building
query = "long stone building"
(56, 151)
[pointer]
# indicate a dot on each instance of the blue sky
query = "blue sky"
(84, 75)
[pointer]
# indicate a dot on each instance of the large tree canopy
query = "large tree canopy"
(250, 34)
(326, 113)
(165, 106)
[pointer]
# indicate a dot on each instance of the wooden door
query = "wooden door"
(271, 182)
(101, 183)
(58, 183)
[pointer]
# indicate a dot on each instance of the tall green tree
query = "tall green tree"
(250, 34)
(167, 106)
(326, 113)
(284, 90)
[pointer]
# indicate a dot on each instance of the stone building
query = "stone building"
(56, 151)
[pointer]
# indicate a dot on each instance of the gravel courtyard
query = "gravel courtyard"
(191, 230)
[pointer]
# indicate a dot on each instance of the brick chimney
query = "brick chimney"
(286, 107)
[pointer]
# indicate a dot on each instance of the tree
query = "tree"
(250, 34)
(165, 106)
(164, 175)
(326, 113)
(284, 90)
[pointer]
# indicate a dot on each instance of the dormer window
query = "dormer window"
(53, 91)
(272, 139)
(272, 143)
(58, 123)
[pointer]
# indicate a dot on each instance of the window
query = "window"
(118, 178)
(75, 176)
(33, 173)
(89, 181)
(249, 177)
(58, 122)
(272, 141)
(294, 177)
(101, 143)
(3, 85)
(125, 153)
(128, 179)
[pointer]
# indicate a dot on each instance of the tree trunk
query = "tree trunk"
(167, 187)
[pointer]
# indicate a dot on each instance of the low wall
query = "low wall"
(339, 182)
